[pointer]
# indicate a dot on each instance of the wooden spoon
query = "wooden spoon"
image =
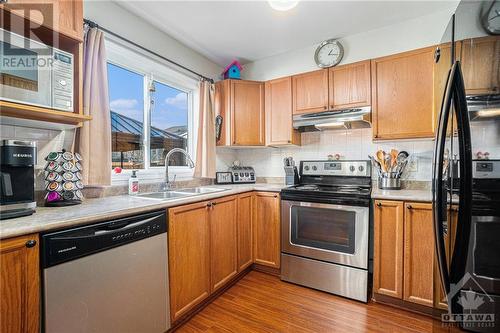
(381, 159)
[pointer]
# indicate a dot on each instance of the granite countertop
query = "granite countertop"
(404, 194)
(95, 210)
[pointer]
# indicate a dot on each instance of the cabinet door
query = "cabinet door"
(189, 257)
(279, 130)
(266, 225)
(403, 95)
(310, 92)
(480, 65)
(65, 17)
(388, 248)
(223, 241)
(245, 252)
(350, 85)
(247, 113)
(419, 254)
(19, 285)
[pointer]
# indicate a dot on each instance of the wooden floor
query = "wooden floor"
(263, 303)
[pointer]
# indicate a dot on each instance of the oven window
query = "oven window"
(486, 250)
(323, 228)
(19, 67)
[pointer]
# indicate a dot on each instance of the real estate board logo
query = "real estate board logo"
(474, 305)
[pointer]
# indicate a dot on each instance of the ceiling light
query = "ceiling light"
(282, 5)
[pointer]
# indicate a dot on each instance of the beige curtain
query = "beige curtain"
(93, 139)
(205, 152)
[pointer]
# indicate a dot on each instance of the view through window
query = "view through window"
(165, 114)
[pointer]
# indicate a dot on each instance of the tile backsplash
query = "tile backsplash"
(355, 144)
(46, 140)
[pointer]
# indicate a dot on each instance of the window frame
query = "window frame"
(129, 57)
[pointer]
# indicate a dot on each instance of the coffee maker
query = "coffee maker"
(17, 178)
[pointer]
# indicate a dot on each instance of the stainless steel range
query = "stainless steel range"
(325, 227)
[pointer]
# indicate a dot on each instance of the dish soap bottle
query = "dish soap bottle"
(133, 184)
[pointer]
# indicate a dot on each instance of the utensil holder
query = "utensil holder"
(389, 183)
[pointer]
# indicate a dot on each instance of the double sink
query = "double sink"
(181, 193)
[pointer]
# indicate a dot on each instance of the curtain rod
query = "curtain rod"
(95, 25)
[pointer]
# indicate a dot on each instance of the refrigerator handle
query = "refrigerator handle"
(439, 191)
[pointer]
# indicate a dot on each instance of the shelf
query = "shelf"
(9, 109)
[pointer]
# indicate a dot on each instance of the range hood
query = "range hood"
(332, 120)
(483, 107)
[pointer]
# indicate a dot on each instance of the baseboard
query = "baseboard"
(408, 306)
(267, 269)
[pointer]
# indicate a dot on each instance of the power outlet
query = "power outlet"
(412, 165)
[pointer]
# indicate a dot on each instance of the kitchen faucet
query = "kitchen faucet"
(190, 163)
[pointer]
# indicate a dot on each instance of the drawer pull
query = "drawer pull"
(409, 207)
(379, 204)
(30, 243)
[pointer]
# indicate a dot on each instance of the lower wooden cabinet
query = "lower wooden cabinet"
(189, 257)
(223, 241)
(266, 225)
(404, 257)
(20, 285)
(245, 231)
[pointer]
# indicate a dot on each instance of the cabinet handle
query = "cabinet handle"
(379, 204)
(275, 195)
(289, 141)
(214, 203)
(209, 204)
(30, 243)
(409, 207)
(325, 107)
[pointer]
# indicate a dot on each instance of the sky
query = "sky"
(126, 98)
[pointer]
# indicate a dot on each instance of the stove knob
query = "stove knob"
(315, 168)
(306, 168)
(352, 168)
(361, 168)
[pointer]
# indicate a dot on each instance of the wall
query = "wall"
(408, 35)
(357, 145)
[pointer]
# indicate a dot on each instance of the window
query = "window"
(151, 113)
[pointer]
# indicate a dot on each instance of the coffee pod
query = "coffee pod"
(78, 175)
(78, 166)
(53, 177)
(79, 184)
(79, 195)
(68, 156)
(53, 156)
(69, 186)
(69, 196)
(53, 166)
(68, 176)
(68, 166)
(53, 196)
(78, 157)
(54, 186)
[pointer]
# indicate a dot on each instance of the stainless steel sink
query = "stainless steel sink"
(168, 195)
(201, 190)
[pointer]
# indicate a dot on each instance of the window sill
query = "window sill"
(153, 175)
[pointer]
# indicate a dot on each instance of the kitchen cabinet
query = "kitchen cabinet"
(480, 65)
(278, 102)
(349, 86)
(403, 95)
(241, 105)
(310, 92)
(189, 257)
(419, 256)
(62, 16)
(223, 240)
(388, 248)
(266, 227)
(245, 231)
(20, 285)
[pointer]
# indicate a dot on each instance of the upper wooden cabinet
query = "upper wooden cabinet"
(403, 95)
(310, 92)
(266, 226)
(241, 104)
(223, 241)
(419, 254)
(62, 16)
(279, 130)
(20, 285)
(388, 248)
(480, 65)
(349, 85)
(188, 256)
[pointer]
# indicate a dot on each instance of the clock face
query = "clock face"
(491, 17)
(329, 53)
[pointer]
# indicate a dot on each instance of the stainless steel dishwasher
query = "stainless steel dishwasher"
(107, 277)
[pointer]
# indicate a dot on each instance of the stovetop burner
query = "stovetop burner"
(333, 189)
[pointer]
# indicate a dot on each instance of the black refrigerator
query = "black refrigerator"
(466, 181)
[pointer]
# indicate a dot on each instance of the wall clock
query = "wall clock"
(329, 53)
(490, 17)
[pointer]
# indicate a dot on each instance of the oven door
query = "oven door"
(25, 70)
(327, 232)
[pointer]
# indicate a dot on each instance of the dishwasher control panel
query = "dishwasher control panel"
(65, 245)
